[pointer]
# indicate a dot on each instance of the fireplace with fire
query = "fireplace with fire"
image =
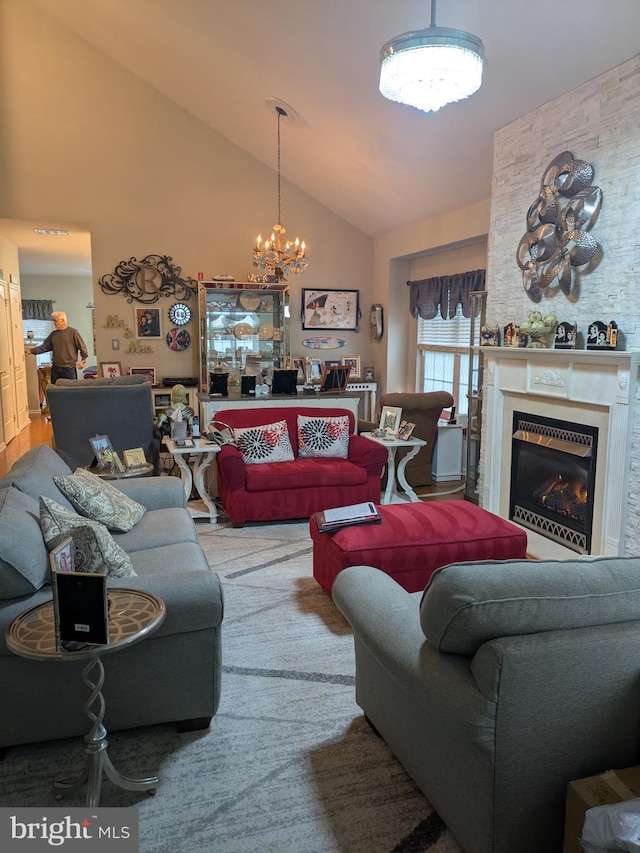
(553, 467)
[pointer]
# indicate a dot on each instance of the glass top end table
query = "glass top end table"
(133, 615)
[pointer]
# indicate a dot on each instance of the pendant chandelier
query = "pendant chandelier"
(429, 68)
(277, 255)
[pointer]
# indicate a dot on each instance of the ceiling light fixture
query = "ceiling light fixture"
(430, 68)
(276, 255)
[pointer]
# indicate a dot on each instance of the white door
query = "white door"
(7, 404)
(17, 356)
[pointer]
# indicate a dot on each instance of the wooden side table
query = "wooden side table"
(133, 615)
(203, 453)
(391, 494)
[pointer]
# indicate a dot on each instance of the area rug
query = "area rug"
(289, 764)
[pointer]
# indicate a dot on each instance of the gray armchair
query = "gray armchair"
(500, 685)
(121, 408)
(422, 409)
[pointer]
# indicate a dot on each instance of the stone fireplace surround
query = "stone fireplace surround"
(586, 387)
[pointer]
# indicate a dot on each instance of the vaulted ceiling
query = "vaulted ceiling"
(378, 164)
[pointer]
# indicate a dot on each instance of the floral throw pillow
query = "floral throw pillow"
(323, 437)
(100, 501)
(267, 443)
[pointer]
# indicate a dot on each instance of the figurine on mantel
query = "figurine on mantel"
(537, 326)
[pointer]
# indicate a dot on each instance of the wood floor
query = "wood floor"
(38, 432)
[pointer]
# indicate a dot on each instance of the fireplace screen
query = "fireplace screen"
(552, 479)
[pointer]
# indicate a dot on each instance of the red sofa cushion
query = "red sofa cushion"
(304, 474)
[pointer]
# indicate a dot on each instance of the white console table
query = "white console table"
(211, 406)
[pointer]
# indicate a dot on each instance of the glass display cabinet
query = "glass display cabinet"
(244, 330)
(474, 396)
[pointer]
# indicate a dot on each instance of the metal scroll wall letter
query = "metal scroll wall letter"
(147, 280)
(557, 239)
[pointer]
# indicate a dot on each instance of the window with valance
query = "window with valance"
(37, 309)
(444, 293)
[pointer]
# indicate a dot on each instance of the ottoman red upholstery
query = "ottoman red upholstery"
(414, 539)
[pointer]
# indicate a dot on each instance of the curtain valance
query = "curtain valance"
(37, 309)
(444, 293)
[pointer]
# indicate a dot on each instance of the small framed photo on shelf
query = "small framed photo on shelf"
(405, 430)
(334, 378)
(566, 334)
(134, 458)
(353, 362)
(390, 420)
(294, 363)
(62, 558)
(332, 362)
(316, 368)
(148, 372)
(369, 375)
(110, 369)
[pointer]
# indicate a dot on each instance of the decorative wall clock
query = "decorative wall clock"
(179, 314)
(178, 339)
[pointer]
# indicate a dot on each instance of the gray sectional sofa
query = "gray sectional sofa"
(499, 685)
(171, 676)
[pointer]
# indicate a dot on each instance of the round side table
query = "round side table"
(133, 615)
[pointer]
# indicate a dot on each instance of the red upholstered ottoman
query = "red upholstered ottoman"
(414, 539)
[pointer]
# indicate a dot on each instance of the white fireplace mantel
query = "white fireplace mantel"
(583, 386)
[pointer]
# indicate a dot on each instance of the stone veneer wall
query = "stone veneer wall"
(598, 122)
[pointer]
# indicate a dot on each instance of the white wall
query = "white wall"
(83, 140)
(598, 122)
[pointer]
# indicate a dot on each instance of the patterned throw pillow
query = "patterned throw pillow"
(96, 499)
(323, 437)
(99, 552)
(267, 443)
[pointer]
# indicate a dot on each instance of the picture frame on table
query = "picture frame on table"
(369, 375)
(62, 557)
(330, 309)
(134, 457)
(316, 368)
(296, 363)
(334, 378)
(405, 430)
(390, 419)
(110, 369)
(148, 322)
(149, 372)
(106, 457)
(353, 362)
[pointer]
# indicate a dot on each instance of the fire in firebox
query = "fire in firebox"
(564, 497)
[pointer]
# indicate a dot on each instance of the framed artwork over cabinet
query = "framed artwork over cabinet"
(330, 309)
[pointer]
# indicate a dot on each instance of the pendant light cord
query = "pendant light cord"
(280, 112)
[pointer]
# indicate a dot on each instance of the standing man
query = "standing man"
(64, 344)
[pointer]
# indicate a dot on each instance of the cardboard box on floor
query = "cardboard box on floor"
(614, 786)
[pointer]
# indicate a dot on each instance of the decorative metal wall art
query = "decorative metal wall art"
(557, 239)
(147, 280)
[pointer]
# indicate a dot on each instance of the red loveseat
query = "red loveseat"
(273, 491)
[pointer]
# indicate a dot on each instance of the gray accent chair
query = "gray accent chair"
(121, 408)
(422, 409)
(499, 685)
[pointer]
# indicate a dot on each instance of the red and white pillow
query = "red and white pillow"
(323, 437)
(265, 443)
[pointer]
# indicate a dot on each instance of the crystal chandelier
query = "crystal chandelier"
(430, 68)
(277, 255)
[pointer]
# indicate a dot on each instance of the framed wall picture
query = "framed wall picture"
(148, 372)
(390, 419)
(334, 378)
(110, 369)
(330, 309)
(148, 323)
(353, 362)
